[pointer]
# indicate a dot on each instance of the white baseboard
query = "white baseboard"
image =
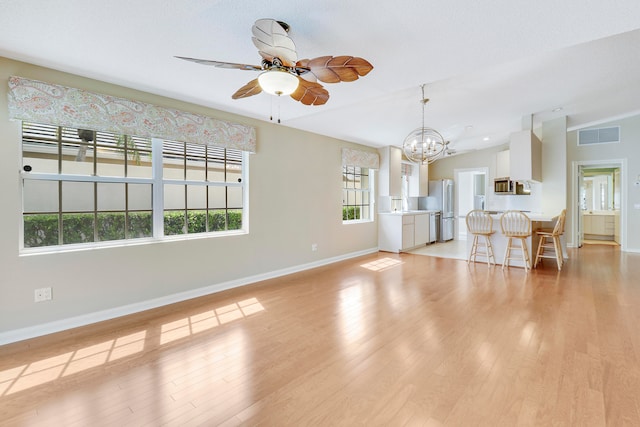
(99, 316)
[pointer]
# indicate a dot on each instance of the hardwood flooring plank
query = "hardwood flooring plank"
(384, 339)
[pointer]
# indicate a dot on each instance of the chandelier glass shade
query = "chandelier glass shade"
(423, 145)
(278, 82)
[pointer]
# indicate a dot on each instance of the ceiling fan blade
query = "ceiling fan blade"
(310, 93)
(334, 69)
(221, 64)
(250, 89)
(272, 41)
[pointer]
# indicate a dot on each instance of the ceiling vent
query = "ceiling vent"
(599, 136)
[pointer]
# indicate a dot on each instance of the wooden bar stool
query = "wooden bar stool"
(516, 225)
(480, 224)
(549, 245)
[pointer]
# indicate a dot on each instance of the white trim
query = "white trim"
(460, 224)
(84, 178)
(575, 165)
(157, 189)
(99, 316)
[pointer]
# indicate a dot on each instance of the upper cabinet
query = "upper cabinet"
(419, 181)
(525, 157)
(390, 175)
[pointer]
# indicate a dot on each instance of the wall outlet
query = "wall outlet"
(314, 247)
(42, 294)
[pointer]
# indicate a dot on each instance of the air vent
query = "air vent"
(599, 136)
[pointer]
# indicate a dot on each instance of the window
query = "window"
(203, 188)
(81, 186)
(356, 193)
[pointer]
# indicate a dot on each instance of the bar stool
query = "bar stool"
(549, 245)
(480, 223)
(516, 225)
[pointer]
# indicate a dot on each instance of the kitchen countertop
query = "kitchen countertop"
(533, 216)
(417, 212)
(594, 213)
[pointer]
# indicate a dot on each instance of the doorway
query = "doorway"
(471, 193)
(598, 214)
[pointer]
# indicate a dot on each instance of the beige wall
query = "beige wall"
(295, 200)
(554, 166)
(628, 151)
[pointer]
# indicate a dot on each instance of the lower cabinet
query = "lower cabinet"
(398, 232)
(421, 235)
(598, 225)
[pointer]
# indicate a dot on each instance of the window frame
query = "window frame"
(369, 191)
(157, 184)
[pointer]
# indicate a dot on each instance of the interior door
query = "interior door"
(580, 205)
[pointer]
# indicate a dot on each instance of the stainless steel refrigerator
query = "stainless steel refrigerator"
(441, 199)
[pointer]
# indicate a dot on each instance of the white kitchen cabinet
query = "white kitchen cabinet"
(408, 232)
(525, 157)
(598, 224)
(502, 164)
(587, 224)
(419, 181)
(421, 229)
(398, 232)
(389, 174)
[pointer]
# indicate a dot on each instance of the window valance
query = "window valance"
(40, 102)
(363, 159)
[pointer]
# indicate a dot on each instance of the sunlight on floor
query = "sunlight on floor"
(381, 264)
(46, 370)
(208, 319)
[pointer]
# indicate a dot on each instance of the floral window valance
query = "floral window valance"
(363, 159)
(40, 102)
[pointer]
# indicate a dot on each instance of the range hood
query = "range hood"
(525, 154)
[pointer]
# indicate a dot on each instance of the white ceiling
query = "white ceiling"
(486, 64)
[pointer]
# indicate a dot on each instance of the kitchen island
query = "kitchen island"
(499, 241)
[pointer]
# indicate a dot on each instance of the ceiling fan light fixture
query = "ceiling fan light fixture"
(278, 82)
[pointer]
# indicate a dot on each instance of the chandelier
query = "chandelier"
(423, 145)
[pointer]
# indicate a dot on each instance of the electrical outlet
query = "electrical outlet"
(314, 247)
(42, 294)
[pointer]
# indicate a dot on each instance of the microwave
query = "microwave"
(505, 186)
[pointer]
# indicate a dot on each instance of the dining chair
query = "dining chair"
(480, 224)
(516, 225)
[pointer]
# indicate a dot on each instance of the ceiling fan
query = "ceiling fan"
(282, 72)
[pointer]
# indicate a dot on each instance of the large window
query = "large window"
(81, 186)
(203, 188)
(356, 193)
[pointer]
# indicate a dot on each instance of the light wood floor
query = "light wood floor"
(384, 339)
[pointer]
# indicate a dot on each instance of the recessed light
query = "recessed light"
(555, 110)
(468, 127)
(486, 138)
